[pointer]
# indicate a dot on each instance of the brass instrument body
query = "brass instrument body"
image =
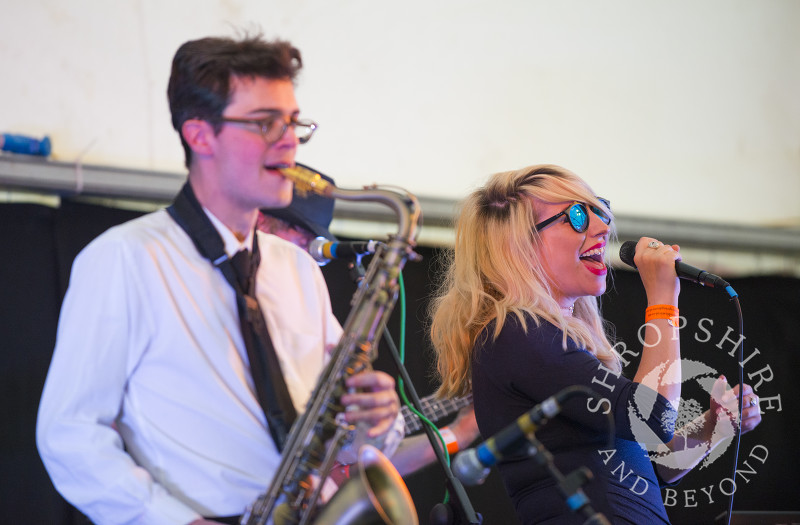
(317, 435)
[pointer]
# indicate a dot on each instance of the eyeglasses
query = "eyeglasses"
(273, 127)
(578, 216)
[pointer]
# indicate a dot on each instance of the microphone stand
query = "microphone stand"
(570, 485)
(356, 269)
(464, 514)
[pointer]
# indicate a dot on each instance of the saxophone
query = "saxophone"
(378, 491)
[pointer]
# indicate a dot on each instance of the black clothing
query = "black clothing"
(512, 374)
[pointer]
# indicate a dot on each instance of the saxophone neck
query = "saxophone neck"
(404, 204)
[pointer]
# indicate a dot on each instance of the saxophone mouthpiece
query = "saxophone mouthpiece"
(306, 180)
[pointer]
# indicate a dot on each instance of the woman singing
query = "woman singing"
(517, 320)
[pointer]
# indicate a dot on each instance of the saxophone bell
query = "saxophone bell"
(375, 495)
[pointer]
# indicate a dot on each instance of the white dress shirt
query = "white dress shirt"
(149, 414)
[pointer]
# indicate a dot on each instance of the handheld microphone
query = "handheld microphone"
(323, 250)
(684, 271)
(471, 466)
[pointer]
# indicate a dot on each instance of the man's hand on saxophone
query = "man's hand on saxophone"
(375, 403)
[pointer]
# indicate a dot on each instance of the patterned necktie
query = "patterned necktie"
(264, 366)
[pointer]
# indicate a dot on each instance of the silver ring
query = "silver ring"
(654, 244)
(753, 401)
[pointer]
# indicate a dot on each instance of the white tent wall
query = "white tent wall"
(676, 111)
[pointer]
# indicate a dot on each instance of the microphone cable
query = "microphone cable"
(401, 384)
(738, 437)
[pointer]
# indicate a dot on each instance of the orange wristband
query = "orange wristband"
(450, 439)
(662, 311)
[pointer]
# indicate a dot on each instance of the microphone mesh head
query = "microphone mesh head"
(316, 248)
(627, 251)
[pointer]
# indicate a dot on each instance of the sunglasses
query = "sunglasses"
(578, 216)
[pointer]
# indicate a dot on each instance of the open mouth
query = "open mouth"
(594, 256)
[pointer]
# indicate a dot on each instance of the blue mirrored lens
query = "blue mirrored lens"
(578, 218)
(600, 213)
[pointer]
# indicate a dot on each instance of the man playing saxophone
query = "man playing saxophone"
(309, 216)
(150, 412)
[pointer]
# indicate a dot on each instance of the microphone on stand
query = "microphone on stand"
(684, 271)
(323, 250)
(471, 466)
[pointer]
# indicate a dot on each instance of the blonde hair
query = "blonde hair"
(495, 269)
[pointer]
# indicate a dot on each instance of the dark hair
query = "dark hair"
(199, 85)
(498, 200)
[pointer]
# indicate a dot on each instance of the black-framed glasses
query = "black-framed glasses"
(274, 126)
(578, 216)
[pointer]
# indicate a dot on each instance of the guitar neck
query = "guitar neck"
(433, 409)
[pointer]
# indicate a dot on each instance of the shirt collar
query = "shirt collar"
(232, 244)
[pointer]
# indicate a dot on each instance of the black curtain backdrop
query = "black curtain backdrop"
(39, 244)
